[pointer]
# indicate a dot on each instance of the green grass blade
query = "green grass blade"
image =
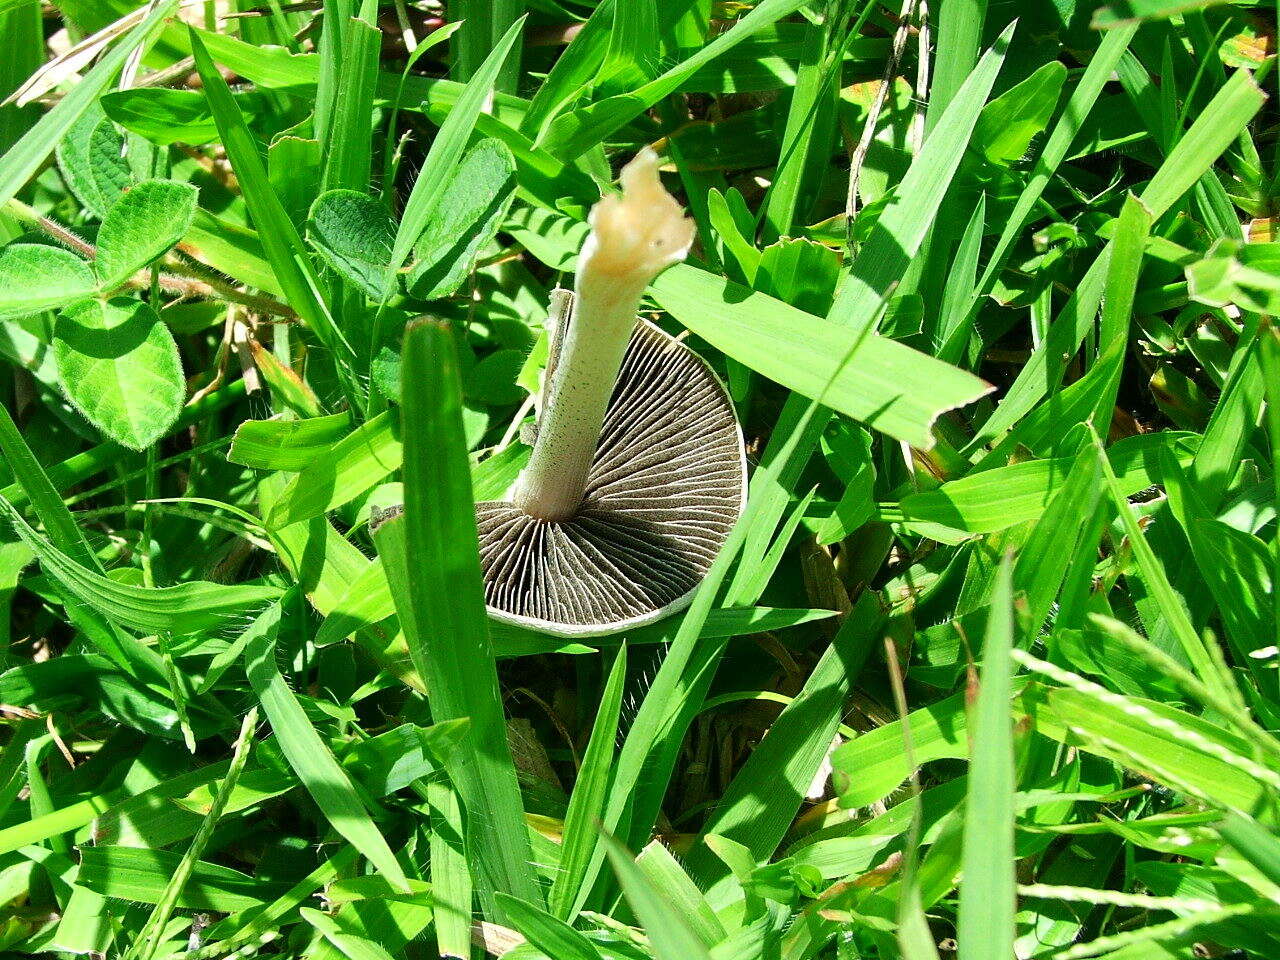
(347, 149)
(142, 875)
(987, 902)
(1101, 385)
(22, 38)
(280, 238)
(914, 938)
(348, 142)
(809, 127)
(149, 940)
(485, 24)
(450, 874)
(350, 945)
(552, 936)
(1157, 582)
(901, 229)
(755, 571)
(342, 472)
(233, 933)
(669, 881)
(65, 535)
(436, 581)
(1254, 842)
(189, 607)
(889, 386)
(572, 72)
(996, 499)
(447, 149)
(1235, 565)
(1183, 751)
(309, 755)
(669, 932)
(25, 158)
(767, 792)
(288, 445)
(586, 803)
(955, 324)
(1118, 12)
(1067, 531)
(871, 767)
(959, 41)
(1231, 424)
(1269, 359)
(333, 24)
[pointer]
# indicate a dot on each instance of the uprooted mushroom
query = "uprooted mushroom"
(637, 472)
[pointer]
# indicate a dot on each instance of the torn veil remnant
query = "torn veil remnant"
(638, 471)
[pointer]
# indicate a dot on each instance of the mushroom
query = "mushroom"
(638, 470)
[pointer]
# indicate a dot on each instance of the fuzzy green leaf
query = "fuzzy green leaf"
(474, 204)
(353, 233)
(91, 160)
(120, 368)
(141, 227)
(34, 278)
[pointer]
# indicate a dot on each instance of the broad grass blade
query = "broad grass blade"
(669, 932)
(987, 901)
(433, 564)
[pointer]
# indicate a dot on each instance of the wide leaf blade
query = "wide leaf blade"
(432, 560)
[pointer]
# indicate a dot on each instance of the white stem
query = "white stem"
(577, 396)
(633, 238)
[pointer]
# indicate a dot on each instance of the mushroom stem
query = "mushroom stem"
(633, 238)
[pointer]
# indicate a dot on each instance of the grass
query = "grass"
(988, 667)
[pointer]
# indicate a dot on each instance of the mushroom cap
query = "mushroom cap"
(667, 484)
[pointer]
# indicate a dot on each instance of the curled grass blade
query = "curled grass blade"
(189, 607)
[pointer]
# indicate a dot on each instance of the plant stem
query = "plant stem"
(604, 314)
(181, 278)
(633, 238)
